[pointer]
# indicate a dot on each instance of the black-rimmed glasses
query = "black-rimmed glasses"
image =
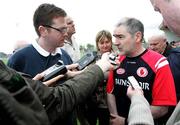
(61, 30)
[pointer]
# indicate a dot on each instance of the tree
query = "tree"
(90, 47)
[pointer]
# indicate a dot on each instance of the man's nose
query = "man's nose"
(65, 34)
(116, 42)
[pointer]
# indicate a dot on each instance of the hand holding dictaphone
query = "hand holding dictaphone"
(133, 82)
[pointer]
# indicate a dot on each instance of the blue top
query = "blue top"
(174, 62)
(28, 60)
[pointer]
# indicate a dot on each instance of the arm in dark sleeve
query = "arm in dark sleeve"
(62, 99)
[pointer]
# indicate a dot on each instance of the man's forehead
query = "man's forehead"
(157, 39)
(120, 29)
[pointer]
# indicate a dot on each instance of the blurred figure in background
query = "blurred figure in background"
(159, 44)
(70, 45)
(20, 44)
(97, 109)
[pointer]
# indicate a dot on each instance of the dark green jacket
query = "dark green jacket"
(57, 101)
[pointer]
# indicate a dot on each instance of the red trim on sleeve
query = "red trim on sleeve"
(121, 58)
(164, 92)
(110, 83)
(151, 58)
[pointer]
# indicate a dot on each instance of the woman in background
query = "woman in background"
(97, 106)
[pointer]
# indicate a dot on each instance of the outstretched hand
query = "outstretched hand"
(72, 70)
(104, 62)
(131, 92)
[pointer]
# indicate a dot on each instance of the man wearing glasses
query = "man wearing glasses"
(50, 25)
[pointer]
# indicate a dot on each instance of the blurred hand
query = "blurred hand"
(116, 120)
(131, 92)
(105, 64)
(71, 74)
(72, 66)
(53, 80)
(39, 76)
(72, 70)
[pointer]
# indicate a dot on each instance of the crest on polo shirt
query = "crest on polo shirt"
(120, 71)
(142, 72)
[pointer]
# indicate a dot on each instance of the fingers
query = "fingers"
(105, 56)
(38, 76)
(131, 91)
(72, 66)
(53, 80)
(71, 74)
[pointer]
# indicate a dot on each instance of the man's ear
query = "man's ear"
(42, 31)
(138, 37)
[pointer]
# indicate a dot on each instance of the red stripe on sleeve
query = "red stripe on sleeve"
(110, 83)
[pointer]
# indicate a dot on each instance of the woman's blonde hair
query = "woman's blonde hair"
(101, 35)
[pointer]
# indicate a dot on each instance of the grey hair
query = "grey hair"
(133, 25)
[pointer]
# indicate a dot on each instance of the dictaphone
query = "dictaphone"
(87, 59)
(133, 82)
(54, 70)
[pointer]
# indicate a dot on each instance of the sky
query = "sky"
(90, 16)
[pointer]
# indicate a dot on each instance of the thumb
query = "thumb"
(38, 76)
(72, 66)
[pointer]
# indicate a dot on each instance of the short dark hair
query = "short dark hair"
(45, 13)
(133, 25)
